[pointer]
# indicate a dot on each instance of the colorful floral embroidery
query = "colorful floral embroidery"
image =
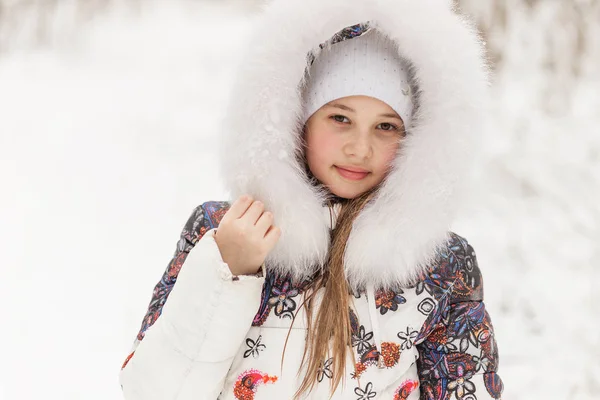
(426, 306)
(247, 383)
(360, 340)
(283, 299)
(391, 354)
(349, 33)
(368, 358)
(468, 324)
(345, 34)
(264, 309)
(254, 347)
(408, 338)
(353, 322)
(177, 263)
(405, 390)
(366, 393)
(216, 211)
(388, 300)
(462, 384)
(481, 362)
(422, 286)
(325, 370)
(200, 222)
(433, 390)
(493, 385)
(456, 341)
(278, 293)
(127, 359)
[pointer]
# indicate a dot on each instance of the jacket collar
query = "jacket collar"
(399, 233)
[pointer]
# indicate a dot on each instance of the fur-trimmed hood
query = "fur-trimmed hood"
(399, 233)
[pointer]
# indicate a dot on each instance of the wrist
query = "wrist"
(257, 274)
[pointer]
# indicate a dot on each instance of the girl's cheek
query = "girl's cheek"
(389, 154)
(320, 151)
(326, 143)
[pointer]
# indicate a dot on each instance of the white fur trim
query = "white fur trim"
(397, 235)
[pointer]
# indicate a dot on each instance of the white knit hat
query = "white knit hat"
(367, 65)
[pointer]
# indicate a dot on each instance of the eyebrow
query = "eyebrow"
(346, 108)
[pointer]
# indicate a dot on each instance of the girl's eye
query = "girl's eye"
(340, 119)
(388, 127)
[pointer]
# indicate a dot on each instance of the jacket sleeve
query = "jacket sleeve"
(186, 345)
(458, 357)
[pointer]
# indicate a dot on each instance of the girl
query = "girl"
(351, 125)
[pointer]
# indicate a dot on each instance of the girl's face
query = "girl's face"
(351, 143)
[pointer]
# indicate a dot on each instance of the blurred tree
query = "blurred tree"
(24, 23)
(560, 39)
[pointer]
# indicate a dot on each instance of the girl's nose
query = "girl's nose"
(359, 146)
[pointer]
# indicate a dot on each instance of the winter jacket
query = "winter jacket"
(217, 335)
(420, 328)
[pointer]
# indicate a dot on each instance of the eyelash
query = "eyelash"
(334, 118)
(394, 127)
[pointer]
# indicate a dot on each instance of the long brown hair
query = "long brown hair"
(332, 321)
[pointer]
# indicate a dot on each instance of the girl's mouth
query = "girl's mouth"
(351, 175)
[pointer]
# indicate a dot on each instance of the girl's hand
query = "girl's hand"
(246, 235)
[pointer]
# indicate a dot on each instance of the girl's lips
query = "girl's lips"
(355, 176)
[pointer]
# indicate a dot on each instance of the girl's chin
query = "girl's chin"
(346, 192)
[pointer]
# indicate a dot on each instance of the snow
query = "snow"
(106, 146)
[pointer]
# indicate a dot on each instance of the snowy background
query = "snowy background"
(107, 113)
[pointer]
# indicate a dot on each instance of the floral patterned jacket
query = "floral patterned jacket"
(210, 335)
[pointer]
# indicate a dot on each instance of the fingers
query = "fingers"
(254, 212)
(272, 236)
(264, 222)
(238, 208)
